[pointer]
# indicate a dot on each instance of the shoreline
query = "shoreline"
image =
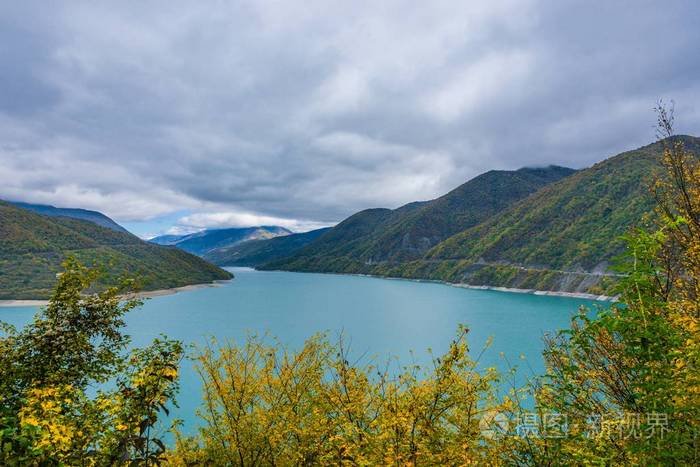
(547, 293)
(145, 295)
(184, 288)
(218, 283)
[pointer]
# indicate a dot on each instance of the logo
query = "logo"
(493, 424)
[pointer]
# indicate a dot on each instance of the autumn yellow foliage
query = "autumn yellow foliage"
(266, 406)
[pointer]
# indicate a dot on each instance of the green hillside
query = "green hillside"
(253, 253)
(377, 236)
(32, 247)
(560, 238)
(572, 224)
(466, 206)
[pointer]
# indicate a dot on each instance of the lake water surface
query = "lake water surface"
(379, 317)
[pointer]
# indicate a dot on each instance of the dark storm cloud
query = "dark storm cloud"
(246, 112)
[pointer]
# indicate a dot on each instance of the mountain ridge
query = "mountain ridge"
(95, 217)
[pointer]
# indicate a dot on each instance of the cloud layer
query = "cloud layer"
(269, 111)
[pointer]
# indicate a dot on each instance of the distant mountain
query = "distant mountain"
(32, 247)
(83, 214)
(376, 236)
(200, 243)
(253, 253)
(167, 239)
(562, 237)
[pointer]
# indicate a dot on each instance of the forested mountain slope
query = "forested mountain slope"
(375, 236)
(32, 247)
(561, 237)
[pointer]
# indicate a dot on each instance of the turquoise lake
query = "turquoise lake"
(379, 317)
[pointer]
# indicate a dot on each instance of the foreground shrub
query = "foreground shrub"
(266, 406)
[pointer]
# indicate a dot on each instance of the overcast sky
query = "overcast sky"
(182, 115)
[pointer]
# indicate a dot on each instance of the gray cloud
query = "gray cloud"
(307, 113)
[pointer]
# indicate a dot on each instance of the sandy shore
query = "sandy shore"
(148, 294)
(8, 303)
(549, 293)
(588, 296)
(186, 288)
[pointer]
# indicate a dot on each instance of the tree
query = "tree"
(628, 380)
(55, 405)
